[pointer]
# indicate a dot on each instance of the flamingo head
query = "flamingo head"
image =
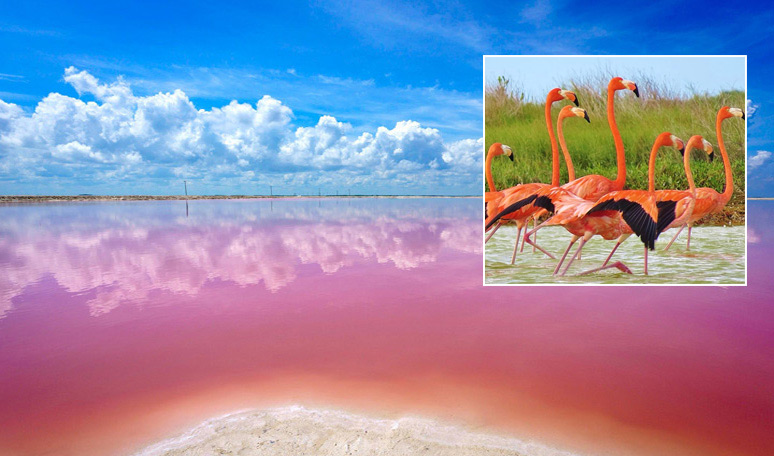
(708, 149)
(558, 94)
(507, 151)
(736, 112)
(580, 112)
(621, 84)
(677, 143)
(725, 112)
(500, 149)
(701, 143)
(570, 111)
(569, 95)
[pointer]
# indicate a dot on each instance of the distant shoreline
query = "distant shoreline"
(13, 199)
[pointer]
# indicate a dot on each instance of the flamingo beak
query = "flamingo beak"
(742, 116)
(711, 156)
(636, 91)
(578, 104)
(511, 157)
(682, 151)
(586, 116)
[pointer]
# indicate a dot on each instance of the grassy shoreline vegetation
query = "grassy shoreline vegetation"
(520, 123)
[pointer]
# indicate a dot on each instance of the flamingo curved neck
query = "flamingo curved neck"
(728, 190)
(652, 165)
(565, 152)
(687, 165)
(554, 146)
(620, 156)
(488, 171)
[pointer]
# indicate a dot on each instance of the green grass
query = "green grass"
(521, 124)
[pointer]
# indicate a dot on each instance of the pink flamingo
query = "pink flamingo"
(495, 204)
(708, 200)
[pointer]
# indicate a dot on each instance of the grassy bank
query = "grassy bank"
(520, 123)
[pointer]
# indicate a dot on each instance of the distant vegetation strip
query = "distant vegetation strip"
(65, 198)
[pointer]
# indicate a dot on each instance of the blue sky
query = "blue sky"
(684, 76)
(376, 97)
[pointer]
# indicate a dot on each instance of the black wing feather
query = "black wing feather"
(666, 214)
(545, 202)
(510, 209)
(635, 216)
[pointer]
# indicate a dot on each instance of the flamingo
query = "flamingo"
(708, 200)
(513, 193)
(676, 206)
(593, 186)
(567, 111)
(495, 150)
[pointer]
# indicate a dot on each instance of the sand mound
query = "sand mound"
(300, 431)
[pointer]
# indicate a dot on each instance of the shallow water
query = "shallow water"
(717, 256)
(122, 324)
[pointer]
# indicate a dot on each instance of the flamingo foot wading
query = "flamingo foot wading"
(618, 265)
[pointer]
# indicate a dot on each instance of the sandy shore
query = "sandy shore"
(296, 430)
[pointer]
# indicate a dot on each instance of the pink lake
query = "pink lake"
(124, 323)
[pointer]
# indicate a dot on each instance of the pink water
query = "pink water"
(123, 323)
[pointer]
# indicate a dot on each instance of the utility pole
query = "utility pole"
(271, 190)
(185, 184)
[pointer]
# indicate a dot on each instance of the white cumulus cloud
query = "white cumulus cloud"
(751, 108)
(109, 131)
(758, 159)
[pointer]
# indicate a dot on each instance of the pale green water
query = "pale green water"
(717, 256)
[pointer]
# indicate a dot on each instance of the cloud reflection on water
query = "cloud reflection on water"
(122, 253)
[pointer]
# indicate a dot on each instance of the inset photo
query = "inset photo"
(619, 170)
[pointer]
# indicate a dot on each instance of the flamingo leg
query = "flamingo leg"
(620, 266)
(516, 247)
(580, 247)
(489, 236)
(526, 228)
(532, 243)
(675, 237)
(688, 246)
(534, 227)
(566, 251)
(646, 260)
(611, 253)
